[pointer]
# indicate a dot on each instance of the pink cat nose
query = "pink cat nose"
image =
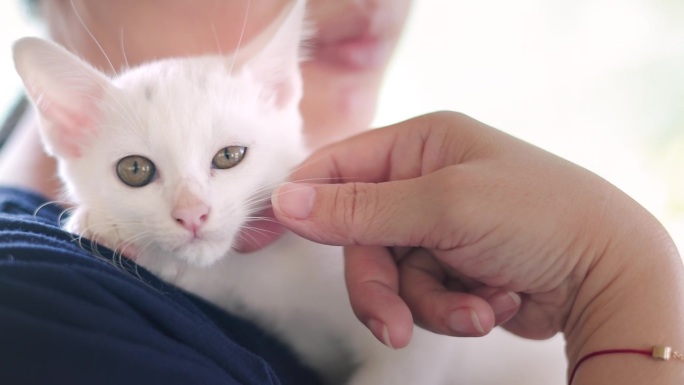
(192, 217)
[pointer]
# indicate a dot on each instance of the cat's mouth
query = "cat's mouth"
(188, 243)
(259, 232)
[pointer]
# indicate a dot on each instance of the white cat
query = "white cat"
(167, 162)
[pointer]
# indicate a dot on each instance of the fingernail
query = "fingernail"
(504, 303)
(380, 332)
(465, 321)
(294, 200)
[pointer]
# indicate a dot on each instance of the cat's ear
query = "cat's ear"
(273, 57)
(65, 90)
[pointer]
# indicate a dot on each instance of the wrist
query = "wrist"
(631, 297)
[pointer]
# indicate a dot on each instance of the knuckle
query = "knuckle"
(450, 193)
(355, 205)
(454, 209)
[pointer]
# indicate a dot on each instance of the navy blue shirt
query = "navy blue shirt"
(70, 317)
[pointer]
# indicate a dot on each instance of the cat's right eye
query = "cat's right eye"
(228, 157)
(135, 170)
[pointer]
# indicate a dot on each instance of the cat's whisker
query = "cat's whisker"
(98, 242)
(242, 35)
(259, 200)
(262, 196)
(252, 218)
(64, 212)
(118, 252)
(96, 233)
(216, 39)
(270, 187)
(257, 204)
(261, 192)
(259, 230)
(80, 20)
(93, 249)
(142, 248)
(121, 247)
(46, 204)
(145, 247)
(251, 237)
(264, 192)
(123, 49)
(297, 189)
(325, 180)
(266, 189)
(143, 243)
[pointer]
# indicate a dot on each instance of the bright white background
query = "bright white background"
(599, 82)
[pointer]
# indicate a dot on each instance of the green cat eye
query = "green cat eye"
(135, 170)
(228, 157)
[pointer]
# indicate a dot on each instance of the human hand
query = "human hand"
(479, 216)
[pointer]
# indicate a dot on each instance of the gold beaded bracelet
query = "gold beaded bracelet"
(658, 352)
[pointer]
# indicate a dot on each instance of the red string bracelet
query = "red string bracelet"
(658, 352)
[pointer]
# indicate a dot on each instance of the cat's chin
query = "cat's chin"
(200, 254)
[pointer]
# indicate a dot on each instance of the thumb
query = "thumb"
(393, 213)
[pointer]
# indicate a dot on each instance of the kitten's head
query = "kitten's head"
(175, 155)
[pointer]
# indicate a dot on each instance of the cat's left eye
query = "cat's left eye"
(228, 157)
(135, 170)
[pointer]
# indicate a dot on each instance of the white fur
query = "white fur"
(179, 113)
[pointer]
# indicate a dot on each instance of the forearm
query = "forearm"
(641, 306)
